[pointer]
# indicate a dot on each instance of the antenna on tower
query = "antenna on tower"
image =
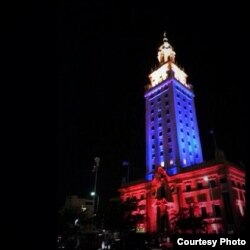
(216, 150)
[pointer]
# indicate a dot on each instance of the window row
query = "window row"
(237, 184)
(213, 183)
(203, 210)
(191, 119)
(200, 185)
(161, 133)
(159, 99)
(184, 99)
(160, 124)
(183, 92)
(134, 198)
(161, 143)
(159, 110)
(185, 115)
(190, 153)
(162, 153)
(188, 134)
(183, 131)
(159, 115)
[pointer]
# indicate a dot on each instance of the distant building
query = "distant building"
(78, 212)
(81, 204)
(176, 178)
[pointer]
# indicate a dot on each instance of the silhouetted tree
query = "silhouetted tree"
(186, 222)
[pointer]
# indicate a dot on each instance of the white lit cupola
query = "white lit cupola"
(165, 52)
(167, 67)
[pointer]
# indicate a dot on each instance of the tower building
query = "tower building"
(172, 134)
(178, 183)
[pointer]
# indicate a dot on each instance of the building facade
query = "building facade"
(178, 184)
(215, 192)
(172, 134)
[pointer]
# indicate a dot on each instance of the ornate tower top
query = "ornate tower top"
(165, 51)
(167, 67)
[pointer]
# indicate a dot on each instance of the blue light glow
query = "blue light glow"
(176, 136)
(172, 171)
(170, 110)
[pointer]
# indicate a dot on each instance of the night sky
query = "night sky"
(105, 54)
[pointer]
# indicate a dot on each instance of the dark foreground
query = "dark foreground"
(129, 241)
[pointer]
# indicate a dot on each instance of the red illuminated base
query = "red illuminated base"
(206, 198)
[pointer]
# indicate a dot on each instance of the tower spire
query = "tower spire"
(165, 51)
(165, 37)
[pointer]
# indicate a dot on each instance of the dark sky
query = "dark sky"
(105, 53)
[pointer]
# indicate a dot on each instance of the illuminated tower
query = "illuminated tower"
(172, 135)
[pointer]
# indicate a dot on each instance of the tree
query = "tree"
(72, 222)
(114, 215)
(186, 222)
(130, 220)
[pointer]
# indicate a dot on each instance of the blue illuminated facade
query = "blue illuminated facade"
(172, 134)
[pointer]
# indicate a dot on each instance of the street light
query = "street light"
(94, 194)
(205, 178)
(97, 162)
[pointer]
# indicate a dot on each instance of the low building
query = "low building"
(214, 192)
(81, 204)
